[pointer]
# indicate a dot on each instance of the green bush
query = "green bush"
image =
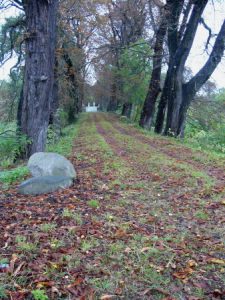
(11, 143)
(207, 140)
(11, 176)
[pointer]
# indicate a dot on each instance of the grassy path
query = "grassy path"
(145, 220)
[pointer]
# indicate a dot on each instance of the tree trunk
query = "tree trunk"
(127, 109)
(163, 104)
(172, 95)
(148, 110)
(35, 107)
(113, 103)
(188, 90)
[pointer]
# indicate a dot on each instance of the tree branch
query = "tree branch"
(202, 21)
(214, 59)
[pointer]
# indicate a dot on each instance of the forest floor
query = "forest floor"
(144, 220)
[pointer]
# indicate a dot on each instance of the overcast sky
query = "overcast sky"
(213, 15)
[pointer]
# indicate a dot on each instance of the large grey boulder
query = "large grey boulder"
(48, 163)
(44, 184)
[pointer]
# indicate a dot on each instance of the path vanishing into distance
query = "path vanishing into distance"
(144, 220)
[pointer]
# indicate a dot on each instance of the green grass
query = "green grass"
(3, 292)
(24, 246)
(65, 145)
(39, 295)
(93, 203)
(48, 227)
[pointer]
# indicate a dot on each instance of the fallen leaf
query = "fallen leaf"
(184, 273)
(42, 284)
(145, 249)
(157, 268)
(119, 291)
(120, 233)
(107, 297)
(217, 261)
(192, 263)
(12, 263)
(151, 219)
(18, 269)
(76, 283)
(127, 250)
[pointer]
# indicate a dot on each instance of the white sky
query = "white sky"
(213, 15)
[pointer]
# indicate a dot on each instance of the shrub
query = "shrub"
(11, 143)
(9, 177)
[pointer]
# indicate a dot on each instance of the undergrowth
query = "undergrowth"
(64, 147)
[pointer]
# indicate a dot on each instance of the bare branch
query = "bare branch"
(202, 21)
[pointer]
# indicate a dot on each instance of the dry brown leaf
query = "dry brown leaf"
(192, 263)
(217, 261)
(12, 263)
(18, 268)
(151, 219)
(120, 233)
(119, 291)
(145, 249)
(75, 283)
(157, 268)
(184, 273)
(107, 297)
(42, 284)
(127, 250)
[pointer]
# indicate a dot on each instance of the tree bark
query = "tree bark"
(36, 100)
(75, 105)
(113, 103)
(172, 95)
(127, 109)
(148, 110)
(190, 88)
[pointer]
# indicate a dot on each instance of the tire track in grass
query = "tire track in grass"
(130, 246)
(189, 213)
(172, 164)
(181, 153)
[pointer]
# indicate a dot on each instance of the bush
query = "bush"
(11, 144)
(208, 140)
(9, 177)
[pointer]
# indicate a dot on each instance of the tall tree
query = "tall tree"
(37, 95)
(154, 85)
(177, 95)
(127, 20)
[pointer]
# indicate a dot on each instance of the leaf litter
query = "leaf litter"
(156, 233)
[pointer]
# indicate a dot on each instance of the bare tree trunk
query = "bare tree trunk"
(148, 110)
(36, 100)
(172, 95)
(75, 105)
(113, 103)
(127, 109)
